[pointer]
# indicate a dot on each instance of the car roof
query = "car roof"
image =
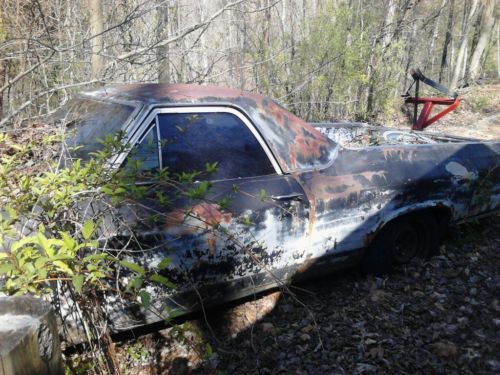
(296, 144)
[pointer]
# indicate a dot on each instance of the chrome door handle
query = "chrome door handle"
(288, 197)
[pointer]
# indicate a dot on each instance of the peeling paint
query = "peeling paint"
(458, 170)
(346, 196)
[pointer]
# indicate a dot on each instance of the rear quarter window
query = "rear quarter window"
(89, 122)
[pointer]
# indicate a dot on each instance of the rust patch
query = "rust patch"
(305, 265)
(337, 187)
(204, 215)
(211, 214)
(401, 153)
(295, 143)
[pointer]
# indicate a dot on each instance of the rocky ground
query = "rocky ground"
(441, 316)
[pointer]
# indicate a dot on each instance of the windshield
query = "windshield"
(88, 122)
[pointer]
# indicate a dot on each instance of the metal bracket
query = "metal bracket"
(423, 120)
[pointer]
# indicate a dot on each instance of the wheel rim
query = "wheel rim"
(406, 244)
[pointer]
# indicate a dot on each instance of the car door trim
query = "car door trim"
(153, 116)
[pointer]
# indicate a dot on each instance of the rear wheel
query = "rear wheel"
(401, 241)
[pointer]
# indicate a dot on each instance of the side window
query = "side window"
(190, 140)
(144, 156)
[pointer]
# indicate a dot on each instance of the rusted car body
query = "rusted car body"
(312, 201)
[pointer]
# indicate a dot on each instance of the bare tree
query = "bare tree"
(486, 27)
(96, 21)
(460, 63)
(162, 52)
(447, 40)
(323, 59)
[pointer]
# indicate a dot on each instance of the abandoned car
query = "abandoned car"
(287, 199)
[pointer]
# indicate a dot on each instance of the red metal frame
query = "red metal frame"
(424, 120)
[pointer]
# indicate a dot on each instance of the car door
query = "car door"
(236, 224)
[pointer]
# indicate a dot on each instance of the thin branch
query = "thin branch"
(39, 95)
(188, 31)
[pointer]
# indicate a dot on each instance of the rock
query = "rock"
(308, 328)
(365, 367)
(267, 327)
(377, 295)
(370, 342)
(287, 308)
(494, 365)
(376, 352)
(305, 337)
(438, 296)
(445, 349)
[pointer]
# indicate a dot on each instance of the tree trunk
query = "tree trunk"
(463, 46)
(96, 21)
(385, 39)
(484, 35)
(162, 51)
(2, 82)
(447, 40)
(2, 63)
(434, 36)
(388, 23)
(498, 50)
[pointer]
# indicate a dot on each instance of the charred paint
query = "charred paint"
(344, 195)
(296, 144)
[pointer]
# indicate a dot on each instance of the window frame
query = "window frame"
(153, 126)
(151, 121)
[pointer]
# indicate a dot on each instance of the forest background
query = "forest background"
(324, 60)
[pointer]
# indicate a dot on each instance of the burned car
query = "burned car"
(288, 199)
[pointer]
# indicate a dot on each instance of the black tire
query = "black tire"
(400, 241)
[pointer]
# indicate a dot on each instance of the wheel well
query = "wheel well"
(442, 215)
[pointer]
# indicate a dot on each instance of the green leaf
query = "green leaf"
(88, 229)
(135, 283)
(21, 243)
(45, 244)
(145, 298)
(164, 263)
(40, 262)
(63, 267)
(6, 268)
(211, 167)
(68, 241)
(42, 274)
(209, 350)
(163, 281)
(11, 213)
(199, 191)
(133, 267)
(224, 203)
(78, 282)
(62, 257)
(263, 195)
(95, 257)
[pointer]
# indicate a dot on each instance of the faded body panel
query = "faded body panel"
(296, 144)
(317, 216)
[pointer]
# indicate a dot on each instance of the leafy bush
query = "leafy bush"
(50, 244)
